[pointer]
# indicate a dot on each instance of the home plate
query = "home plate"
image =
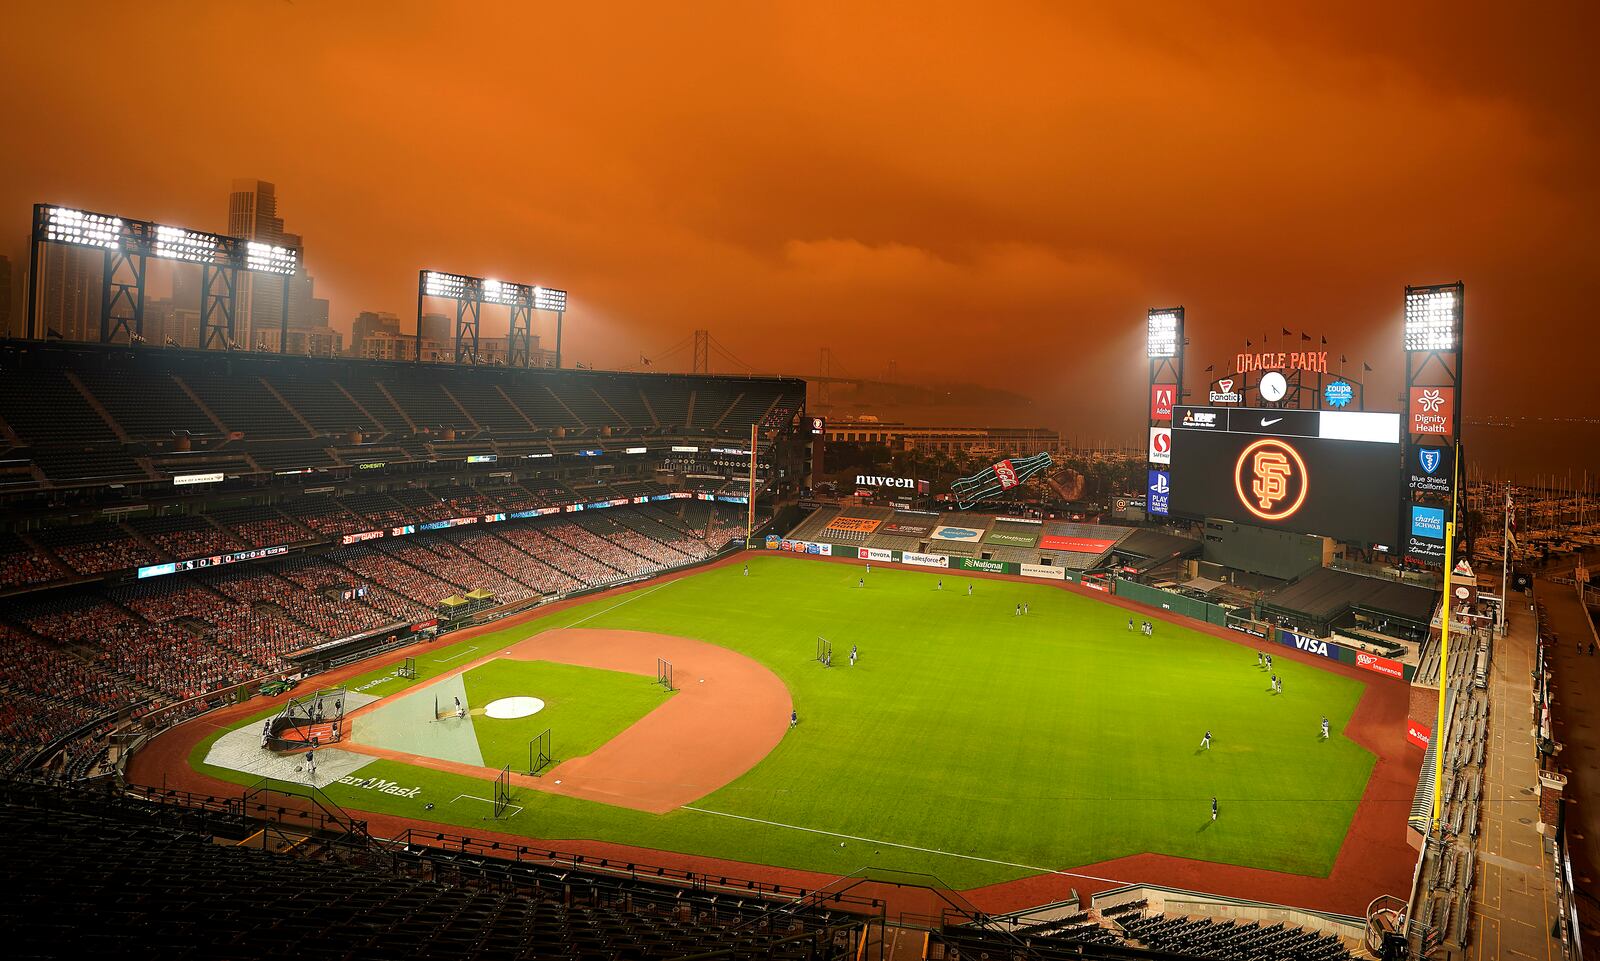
(514, 707)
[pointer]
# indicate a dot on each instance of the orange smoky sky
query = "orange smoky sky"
(990, 193)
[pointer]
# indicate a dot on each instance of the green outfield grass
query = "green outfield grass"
(587, 705)
(968, 743)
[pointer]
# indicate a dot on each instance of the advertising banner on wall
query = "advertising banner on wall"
(1077, 545)
(853, 525)
(979, 564)
(1380, 665)
(874, 554)
(905, 528)
(1160, 445)
(1433, 411)
(1425, 533)
(806, 547)
(956, 533)
(1158, 491)
(925, 560)
(1418, 733)
(1162, 398)
(1013, 538)
(1048, 573)
(1311, 645)
(1431, 469)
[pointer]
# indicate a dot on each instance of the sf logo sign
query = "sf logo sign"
(1270, 480)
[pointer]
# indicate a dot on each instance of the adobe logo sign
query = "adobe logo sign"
(1433, 410)
(1162, 397)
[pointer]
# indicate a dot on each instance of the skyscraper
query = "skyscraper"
(253, 215)
(69, 292)
(6, 282)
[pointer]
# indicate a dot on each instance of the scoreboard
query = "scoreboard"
(1329, 473)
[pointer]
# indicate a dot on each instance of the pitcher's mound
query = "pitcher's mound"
(508, 707)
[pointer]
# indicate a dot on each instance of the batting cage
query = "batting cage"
(664, 673)
(307, 721)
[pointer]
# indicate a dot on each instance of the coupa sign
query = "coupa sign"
(1311, 645)
(873, 480)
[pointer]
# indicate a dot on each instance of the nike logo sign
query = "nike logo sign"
(1269, 423)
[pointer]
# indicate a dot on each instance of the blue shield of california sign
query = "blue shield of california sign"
(1430, 458)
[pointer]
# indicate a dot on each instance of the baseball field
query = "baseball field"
(968, 741)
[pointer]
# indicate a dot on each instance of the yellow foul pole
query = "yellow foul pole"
(1444, 647)
(750, 508)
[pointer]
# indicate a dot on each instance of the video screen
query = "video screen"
(1333, 473)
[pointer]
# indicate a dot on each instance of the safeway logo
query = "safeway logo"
(1160, 445)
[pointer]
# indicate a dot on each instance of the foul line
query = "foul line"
(907, 847)
(625, 600)
(461, 653)
(474, 797)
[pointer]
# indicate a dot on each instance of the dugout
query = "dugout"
(1325, 599)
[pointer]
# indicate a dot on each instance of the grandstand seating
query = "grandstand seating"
(21, 564)
(158, 887)
(96, 548)
(91, 652)
(77, 408)
(1126, 931)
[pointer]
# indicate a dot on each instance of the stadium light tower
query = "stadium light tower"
(471, 293)
(128, 244)
(1164, 349)
(1434, 317)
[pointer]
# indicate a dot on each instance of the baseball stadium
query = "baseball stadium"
(1059, 526)
(600, 657)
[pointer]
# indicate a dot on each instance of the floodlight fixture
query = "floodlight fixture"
(271, 258)
(176, 243)
(1433, 317)
(1165, 326)
(64, 225)
(469, 293)
(440, 284)
(549, 298)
